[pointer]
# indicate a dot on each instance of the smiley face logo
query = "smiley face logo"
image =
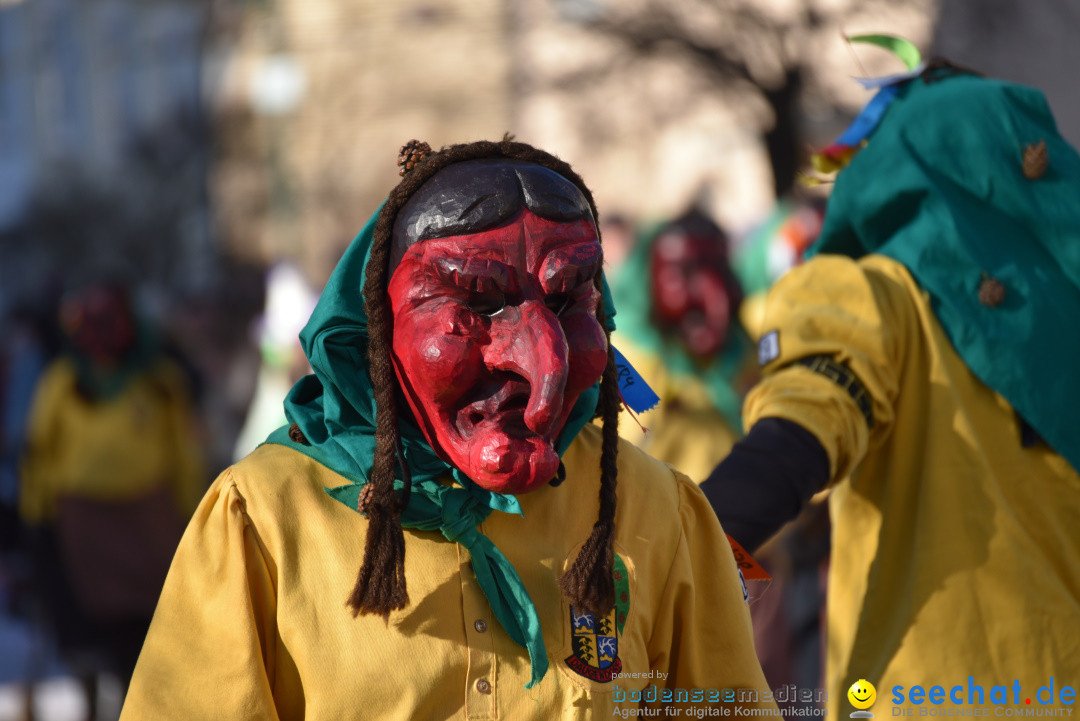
(862, 694)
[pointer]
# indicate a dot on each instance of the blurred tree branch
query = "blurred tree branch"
(735, 46)
(135, 221)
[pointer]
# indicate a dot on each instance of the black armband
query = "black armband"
(844, 377)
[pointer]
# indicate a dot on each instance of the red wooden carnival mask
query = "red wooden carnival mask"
(493, 299)
(693, 291)
(100, 323)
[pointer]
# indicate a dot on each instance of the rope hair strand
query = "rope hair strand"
(380, 585)
(588, 584)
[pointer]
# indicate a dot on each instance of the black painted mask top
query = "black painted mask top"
(477, 195)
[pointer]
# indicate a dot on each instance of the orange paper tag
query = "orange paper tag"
(750, 568)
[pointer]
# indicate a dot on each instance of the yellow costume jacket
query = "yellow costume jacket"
(109, 450)
(956, 550)
(253, 624)
(115, 478)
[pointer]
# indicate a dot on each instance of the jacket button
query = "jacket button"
(480, 625)
(296, 435)
(483, 686)
(991, 292)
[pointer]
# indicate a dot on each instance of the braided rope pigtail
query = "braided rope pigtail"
(380, 585)
(588, 583)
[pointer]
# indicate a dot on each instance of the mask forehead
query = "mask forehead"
(479, 195)
(529, 247)
(677, 246)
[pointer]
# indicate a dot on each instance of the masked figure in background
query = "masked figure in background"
(459, 352)
(109, 476)
(678, 303)
(923, 365)
(683, 334)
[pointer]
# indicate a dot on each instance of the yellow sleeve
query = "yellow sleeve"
(856, 314)
(703, 637)
(37, 471)
(210, 651)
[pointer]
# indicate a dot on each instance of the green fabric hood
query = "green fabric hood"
(335, 409)
(940, 188)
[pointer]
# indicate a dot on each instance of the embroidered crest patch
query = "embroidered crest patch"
(595, 641)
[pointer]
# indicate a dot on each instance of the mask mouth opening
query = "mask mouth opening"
(499, 403)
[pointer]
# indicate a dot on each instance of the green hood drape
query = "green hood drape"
(940, 188)
(335, 409)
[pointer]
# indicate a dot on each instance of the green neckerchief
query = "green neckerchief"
(637, 326)
(335, 410)
(940, 188)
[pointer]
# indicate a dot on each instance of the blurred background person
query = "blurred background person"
(678, 300)
(773, 248)
(680, 324)
(110, 473)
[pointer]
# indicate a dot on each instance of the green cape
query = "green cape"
(939, 187)
(335, 410)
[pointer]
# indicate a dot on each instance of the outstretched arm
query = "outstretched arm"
(833, 356)
(788, 466)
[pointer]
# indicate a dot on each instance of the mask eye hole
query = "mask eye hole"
(487, 304)
(557, 303)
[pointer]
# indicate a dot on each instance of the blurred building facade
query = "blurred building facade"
(95, 96)
(316, 99)
(310, 101)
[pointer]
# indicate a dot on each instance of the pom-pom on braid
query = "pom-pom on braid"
(411, 154)
(380, 585)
